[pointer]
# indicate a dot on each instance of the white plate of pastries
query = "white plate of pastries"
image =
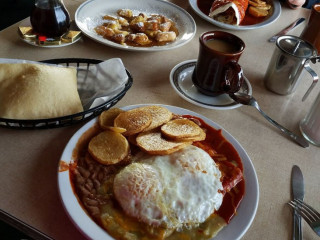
(136, 25)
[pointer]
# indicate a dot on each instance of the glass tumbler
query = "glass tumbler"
(311, 33)
(50, 18)
(310, 125)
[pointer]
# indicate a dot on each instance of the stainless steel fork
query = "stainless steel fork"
(308, 213)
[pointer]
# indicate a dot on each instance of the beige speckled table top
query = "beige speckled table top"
(29, 158)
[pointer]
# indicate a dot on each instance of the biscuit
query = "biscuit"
(160, 115)
(134, 121)
(109, 147)
(106, 119)
(181, 128)
(153, 143)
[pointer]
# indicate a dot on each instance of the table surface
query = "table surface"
(29, 158)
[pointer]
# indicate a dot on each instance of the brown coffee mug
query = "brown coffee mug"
(311, 33)
(217, 70)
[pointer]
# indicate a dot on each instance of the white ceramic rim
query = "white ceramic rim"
(199, 103)
(234, 230)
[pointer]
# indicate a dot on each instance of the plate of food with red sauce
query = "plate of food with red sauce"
(238, 14)
(136, 25)
(157, 172)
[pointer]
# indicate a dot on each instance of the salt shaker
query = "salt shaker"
(310, 125)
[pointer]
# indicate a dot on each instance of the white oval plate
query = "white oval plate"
(234, 230)
(89, 14)
(275, 15)
(181, 81)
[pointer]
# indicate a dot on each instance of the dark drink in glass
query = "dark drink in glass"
(50, 18)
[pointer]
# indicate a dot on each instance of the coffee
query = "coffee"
(222, 46)
(217, 70)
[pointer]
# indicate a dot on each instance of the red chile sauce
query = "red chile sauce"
(215, 143)
(205, 5)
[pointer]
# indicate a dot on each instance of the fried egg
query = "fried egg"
(178, 190)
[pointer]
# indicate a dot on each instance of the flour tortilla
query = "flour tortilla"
(38, 91)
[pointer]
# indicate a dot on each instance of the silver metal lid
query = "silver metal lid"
(295, 46)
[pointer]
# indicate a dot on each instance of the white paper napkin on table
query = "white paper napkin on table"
(102, 81)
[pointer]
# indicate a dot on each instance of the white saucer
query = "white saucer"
(181, 81)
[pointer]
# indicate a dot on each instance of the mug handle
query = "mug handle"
(233, 77)
(314, 82)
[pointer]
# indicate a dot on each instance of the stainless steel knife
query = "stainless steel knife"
(287, 29)
(297, 186)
